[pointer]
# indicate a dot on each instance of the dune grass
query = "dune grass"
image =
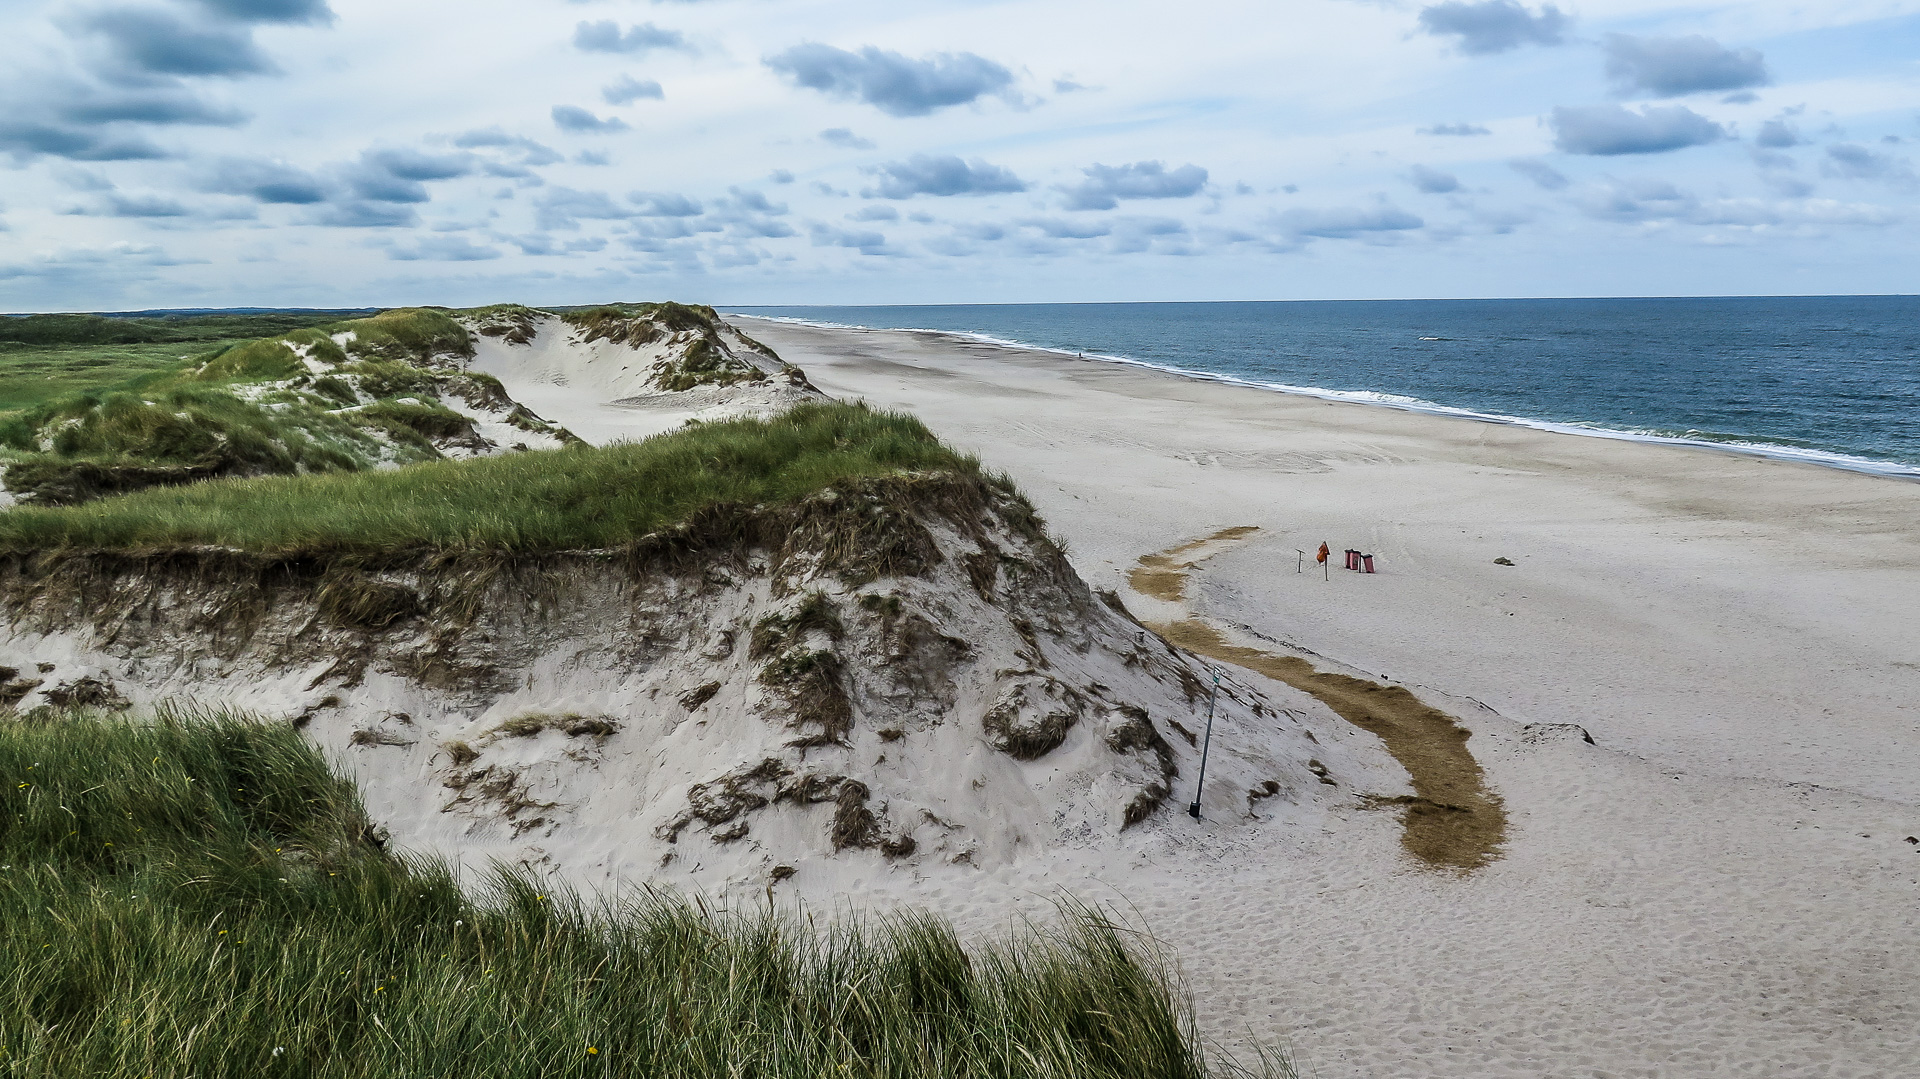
(570, 499)
(199, 895)
(85, 329)
(46, 358)
(32, 376)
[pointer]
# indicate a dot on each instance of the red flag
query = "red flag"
(1325, 553)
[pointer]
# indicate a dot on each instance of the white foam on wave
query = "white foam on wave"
(1830, 458)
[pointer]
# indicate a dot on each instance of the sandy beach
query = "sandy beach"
(1719, 885)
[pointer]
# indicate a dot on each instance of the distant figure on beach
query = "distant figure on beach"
(1326, 552)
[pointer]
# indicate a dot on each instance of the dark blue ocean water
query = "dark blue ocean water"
(1828, 379)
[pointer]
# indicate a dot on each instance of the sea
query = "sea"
(1833, 380)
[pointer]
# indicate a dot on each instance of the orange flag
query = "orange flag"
(1325, 553)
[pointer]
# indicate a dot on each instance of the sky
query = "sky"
(335, 153)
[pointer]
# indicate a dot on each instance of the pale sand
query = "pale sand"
(1719, 887)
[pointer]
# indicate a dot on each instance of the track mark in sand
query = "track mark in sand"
(1452, 821)
(1164, 575)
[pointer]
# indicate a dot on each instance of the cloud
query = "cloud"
(606, 36)
(533, 154)
(781, 176)
(629, 90)
(537, 244)
(1852, 161)
(314, 12)
(157, 105)
(361, 214)
(1433, 181)
(665, 205)
(1345, 223)
(842, 137)
(74, 178)
(1160, 235)
(1105, 185)
(747, 215)
(265, 181)
(866, 241)
(158, 43)
(28, 138)
(1658, 202)
(1494, 25)
(575, 118)
(926, 174)
(565, 208)
(1777, 135)
(1059, 229)
(119, 205)
(1636, 201)
(1454, 129)
(419, 165)
(1611, 129)
(1672, 66)
(874, 212)
(87, 265)
(400, 176)
(755, 201)
(1541, 173)
(444, 249)
(893, 83)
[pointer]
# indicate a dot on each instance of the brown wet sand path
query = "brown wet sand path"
(1452, 821)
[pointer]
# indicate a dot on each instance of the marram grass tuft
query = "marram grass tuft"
(198, 894)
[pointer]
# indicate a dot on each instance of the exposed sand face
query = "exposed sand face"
(1719, 886)
(604, 386)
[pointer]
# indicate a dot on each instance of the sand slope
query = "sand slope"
(607, 388)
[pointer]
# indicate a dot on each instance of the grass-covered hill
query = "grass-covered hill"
(574, 499)
(202, 896)
(343, 397)
(93, 405)
(44, 357)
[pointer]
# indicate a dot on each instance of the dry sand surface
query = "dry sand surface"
(1718, 886)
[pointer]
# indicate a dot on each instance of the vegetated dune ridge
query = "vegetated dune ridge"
(364, 394)
(895, 670)
(400, 387)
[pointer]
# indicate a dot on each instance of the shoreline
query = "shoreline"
(1833, 459)
(1706, 576)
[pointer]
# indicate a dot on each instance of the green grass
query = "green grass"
(409, 334)
(126, 425)
(32, 375)
(200, 895)
(84, 329)
(571, 499)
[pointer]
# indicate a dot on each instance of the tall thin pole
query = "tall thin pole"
(1193, 810)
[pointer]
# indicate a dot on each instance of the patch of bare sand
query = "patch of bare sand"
(1452, 820)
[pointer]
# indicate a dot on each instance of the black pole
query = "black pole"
(1193, 810)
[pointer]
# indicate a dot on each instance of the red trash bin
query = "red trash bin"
(1368, 559)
